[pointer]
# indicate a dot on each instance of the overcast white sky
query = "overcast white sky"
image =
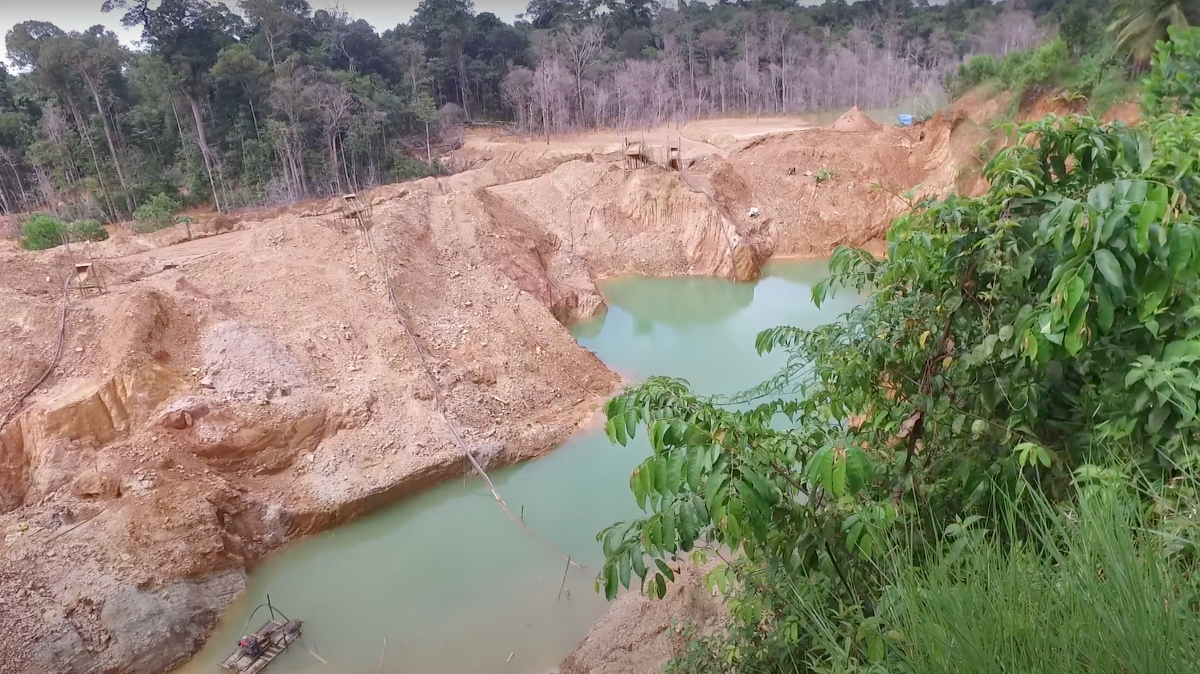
(83, 14)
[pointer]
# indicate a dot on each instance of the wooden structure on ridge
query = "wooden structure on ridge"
(636, 156)
(354, 212)
(674, 159)
(639, 155)
(85, 275)
(85, 278)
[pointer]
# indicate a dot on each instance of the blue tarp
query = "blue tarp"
(905, 120)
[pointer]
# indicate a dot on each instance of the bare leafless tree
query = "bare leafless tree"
(580, 49)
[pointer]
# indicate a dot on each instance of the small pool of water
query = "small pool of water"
(453, 585)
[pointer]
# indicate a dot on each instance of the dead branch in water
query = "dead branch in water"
(381, 653)
(564, 580)
(440, 401)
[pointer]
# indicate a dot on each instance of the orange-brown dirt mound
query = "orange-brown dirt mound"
(855, 120)
(236, 391)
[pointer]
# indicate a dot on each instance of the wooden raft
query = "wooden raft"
(277, 635)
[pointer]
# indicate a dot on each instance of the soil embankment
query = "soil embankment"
(232, 393)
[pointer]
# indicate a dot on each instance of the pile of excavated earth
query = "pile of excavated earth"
(255, 384)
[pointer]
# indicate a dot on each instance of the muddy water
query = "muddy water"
(450, 582)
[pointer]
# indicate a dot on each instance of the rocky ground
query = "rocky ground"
(639, 635)
(234, 392)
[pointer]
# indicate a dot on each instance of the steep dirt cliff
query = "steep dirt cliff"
(234, 392)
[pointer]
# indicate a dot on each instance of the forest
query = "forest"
(269, 101)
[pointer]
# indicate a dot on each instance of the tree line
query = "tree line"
(271, 101)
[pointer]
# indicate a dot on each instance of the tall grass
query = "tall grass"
(1091, 591)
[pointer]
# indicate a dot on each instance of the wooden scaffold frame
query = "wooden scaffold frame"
(85, 275)
(354, 212)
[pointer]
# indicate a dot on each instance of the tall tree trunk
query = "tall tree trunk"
(462, 82)
(112, 145)
(202, 139)
(334, 164)
(87, 137)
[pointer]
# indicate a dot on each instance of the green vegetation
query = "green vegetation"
(87, 230)
(1100, 52)
(44, 231)
(824, 175)
(1174, 83)
(1140, 24)
(1015, 71)
(157, 213)
(1019, 354)
(1084, 589)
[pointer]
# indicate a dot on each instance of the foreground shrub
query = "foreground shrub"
(42, 232)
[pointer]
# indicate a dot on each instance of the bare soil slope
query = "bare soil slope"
(234, 392)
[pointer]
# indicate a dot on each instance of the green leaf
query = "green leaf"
(1182, 243)
(702, 516)
(1157, 417)
(646, 476)
(1104, 308)
(610, 581)
(714, 490)
(858, 469)
(764, 490)
(875, 649)
(1076, 336)
(837, 476)
(820, 468)
(615, 428)
(660, 474)
(688, 529)
(978, 427)
(1146, 217)
(1006, 333)
(639, 564)
(1185, 350)
(695, 467)
(1100, 198)
(631, 422)
(1155, 289)
(667, 538)
(1075, 289)
(1145, 153)
(1109, 268)
(665, 570)
(623, 567)
(675, 470)
(656, 432)
(637, 486)
(660, 586)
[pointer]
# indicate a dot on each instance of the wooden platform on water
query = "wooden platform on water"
(277, 635)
